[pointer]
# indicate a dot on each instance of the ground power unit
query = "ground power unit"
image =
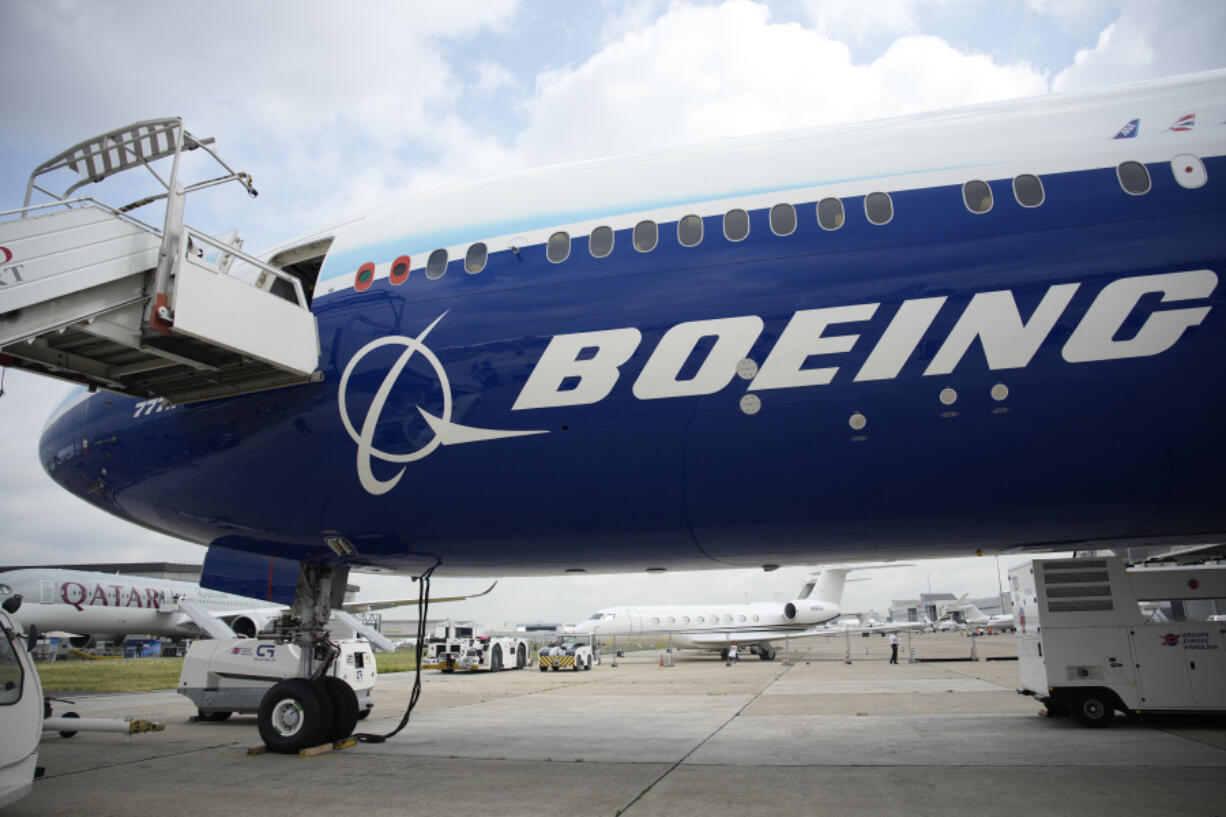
(226, 675)
(1096, 637)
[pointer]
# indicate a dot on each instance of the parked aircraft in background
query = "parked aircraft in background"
(928, 336)
(90, 604)
(757, 627)
(974, 617)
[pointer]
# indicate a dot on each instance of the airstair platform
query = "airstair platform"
(90, 294)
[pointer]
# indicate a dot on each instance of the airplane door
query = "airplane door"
(47, 588)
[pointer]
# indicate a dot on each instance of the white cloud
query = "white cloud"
(861, 22)
(492, 77)
(1150, 40)
(703, 72)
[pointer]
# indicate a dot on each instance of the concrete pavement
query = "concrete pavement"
(818, 737)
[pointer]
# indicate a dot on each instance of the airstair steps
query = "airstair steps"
(92, 295)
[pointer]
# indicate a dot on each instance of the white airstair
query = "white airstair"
(90, 294)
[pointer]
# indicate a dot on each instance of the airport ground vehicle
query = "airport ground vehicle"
(457, 646)
(21, 711)
(573, 654)
(1085, 647)
(226, 675)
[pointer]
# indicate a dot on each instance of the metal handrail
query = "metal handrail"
(203, 238)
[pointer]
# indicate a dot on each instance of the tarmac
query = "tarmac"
(817, 737)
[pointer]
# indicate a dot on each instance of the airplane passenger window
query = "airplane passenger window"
(701, 620)
(736, 225)
(878, 208)
(474, 259)
(400, 271)
(1134, 178)
(558, 248)
(977, 196)
(436, 265)
(755, 616)
(685, 619)
(672, 620)
(783, 219)
(742, 619)
(601, 242)
(655, 620)
(646, 236)
(830, 214)
(1028, 190)
(689, 231)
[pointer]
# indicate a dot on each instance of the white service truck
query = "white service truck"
(21, 709)
(226, 675)
(1086, 648)
(458, 647)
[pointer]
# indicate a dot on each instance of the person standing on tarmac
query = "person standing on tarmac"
(893, 648)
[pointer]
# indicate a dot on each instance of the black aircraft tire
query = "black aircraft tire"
(496, 659)
(294, 714)
(344, 708)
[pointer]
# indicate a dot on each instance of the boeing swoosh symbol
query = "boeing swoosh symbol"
(445, 431)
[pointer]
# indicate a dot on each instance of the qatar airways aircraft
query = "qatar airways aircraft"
(757, 627)
(90, 604)
(978, 331)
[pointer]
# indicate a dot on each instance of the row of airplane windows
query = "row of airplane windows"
(701, 620)
(878, 210)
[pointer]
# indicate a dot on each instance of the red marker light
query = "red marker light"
(400, 271)
(365, 277)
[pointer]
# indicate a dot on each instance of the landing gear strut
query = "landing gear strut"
(313, 708)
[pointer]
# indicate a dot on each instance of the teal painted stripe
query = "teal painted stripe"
(346, 262)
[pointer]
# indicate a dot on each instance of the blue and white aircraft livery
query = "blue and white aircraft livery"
(989, 329)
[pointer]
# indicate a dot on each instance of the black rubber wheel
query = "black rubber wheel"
(68, 734)
(212, 716)
(723, 655)
(544, 668)
(344, 708)
(294, 714)
(767, 655)
(364, 713)
(1093, 709)
(496, 659)
(521, 657)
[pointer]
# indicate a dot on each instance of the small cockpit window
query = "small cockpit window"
(474, 259)
(736, 225)
(689, 231)
(1134, 178)
(558, 248)
(600, 243)
(977, 196)
(1028, 190)
(436, 265)
(783, 219)
(830, 214)
(646, 236)
(878, 208)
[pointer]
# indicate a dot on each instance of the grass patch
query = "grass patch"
(115, 675)
(147, 674)
(399, 661)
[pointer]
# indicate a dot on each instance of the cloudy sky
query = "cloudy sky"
(333, 111)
